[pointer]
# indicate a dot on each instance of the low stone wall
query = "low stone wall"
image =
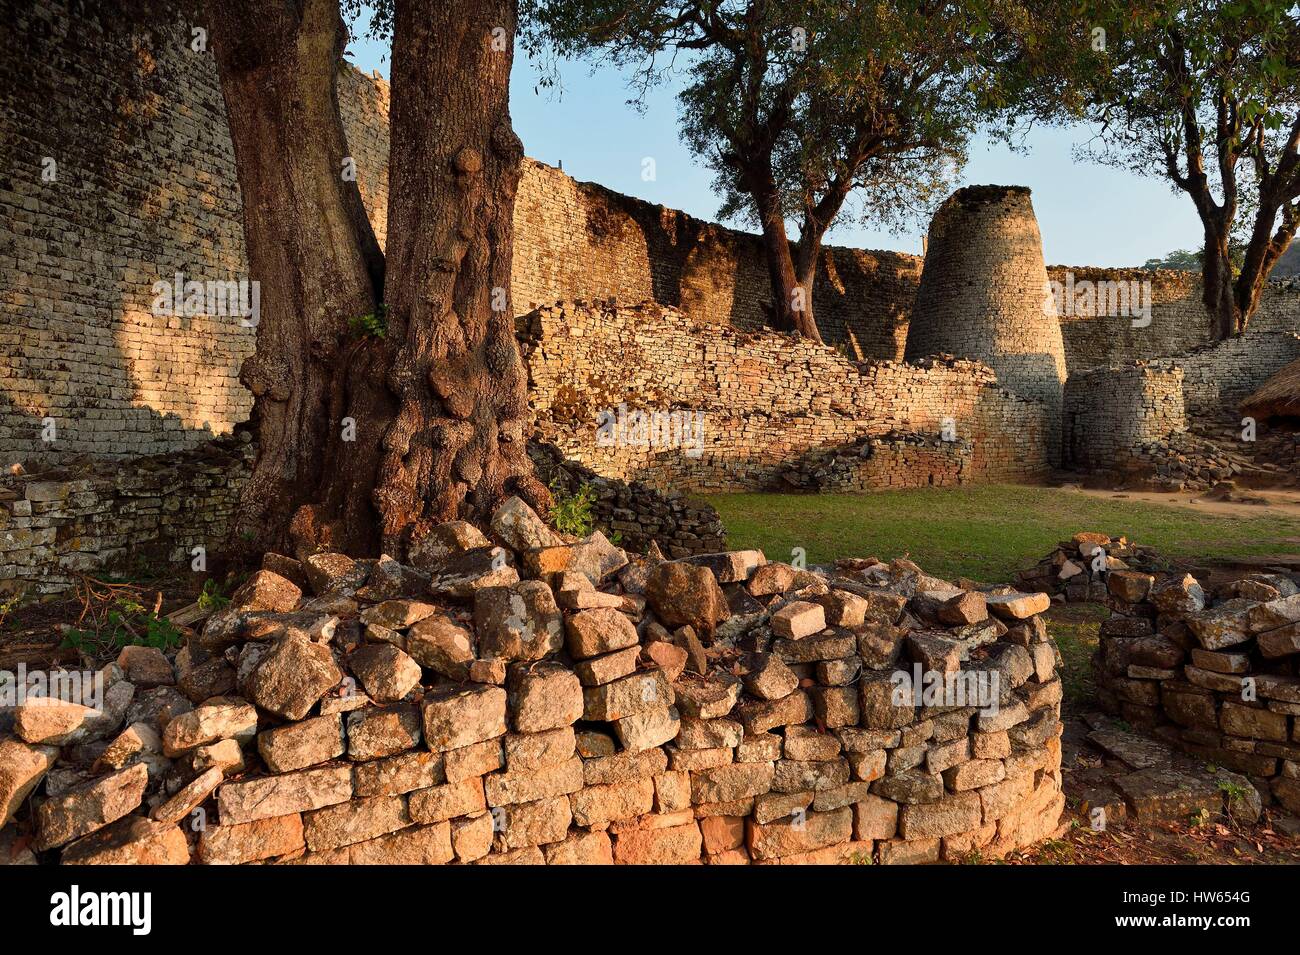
(632, 513)
(737, 410)
(102, 517)
(606, 708)
(1215, 675)
(105, 517)
(890, 461)
(1111, 412)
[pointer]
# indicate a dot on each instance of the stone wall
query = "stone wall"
(578, 240)
(144, 188)
(606, 708)
(982, 295)
(1178, 319)
(98, 519)
(1111, 412)
(1217, 377)
(1214, 674)
(741, 408)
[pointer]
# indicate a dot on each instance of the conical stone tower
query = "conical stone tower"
(984, 295)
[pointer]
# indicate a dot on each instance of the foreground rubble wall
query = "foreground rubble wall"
(527, 700)
(1213, 673)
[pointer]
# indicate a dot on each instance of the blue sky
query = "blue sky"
(1088, 214)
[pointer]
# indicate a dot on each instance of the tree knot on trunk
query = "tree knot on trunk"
(506, 142)
(265, 377)
(467, 161)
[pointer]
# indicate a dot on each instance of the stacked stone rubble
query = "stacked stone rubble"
(1213, 673)
(1076, 569)
(523, 698)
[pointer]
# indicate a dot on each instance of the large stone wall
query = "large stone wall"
(760, 400)
(1217, 377)
(1178, 319)
(145, 187)
(578, 240)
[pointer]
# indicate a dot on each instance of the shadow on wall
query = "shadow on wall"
(119, 173)
(581, 241)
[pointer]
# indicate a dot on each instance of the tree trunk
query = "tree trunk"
(791, 303)
(1265, 248)
(1216, 281)
(806, 253)
(310, 246)
(457, 444)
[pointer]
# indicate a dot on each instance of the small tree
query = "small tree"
(796, 105)
(1206, 95)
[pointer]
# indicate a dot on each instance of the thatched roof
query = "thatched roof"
(1280, 395)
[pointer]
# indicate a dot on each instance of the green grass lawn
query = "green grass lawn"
(986, 532)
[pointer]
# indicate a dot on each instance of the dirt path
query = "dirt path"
(1279, 502)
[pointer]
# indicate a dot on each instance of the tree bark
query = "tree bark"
(310, 246)
(457, 444)
(1266, 246)
(1216, 281)
(791, 302)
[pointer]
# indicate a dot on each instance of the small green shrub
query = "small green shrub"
(126, 623)
(211, 598)
(9, 604)
(571, 513)
(371, 325)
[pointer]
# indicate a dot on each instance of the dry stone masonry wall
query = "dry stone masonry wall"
(737, 410)
(1218, 377)
(578, 240)
(145, 187)
(1178, 318)
(1111, 413)
(525, 699)
(95, 519)
(129, 122)
(1212, 673)
(983, 295)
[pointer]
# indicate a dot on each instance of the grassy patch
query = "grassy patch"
(986, 532)
(1075, 628)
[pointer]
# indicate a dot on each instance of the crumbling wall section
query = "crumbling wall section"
(738, 410)
(519, 699)
(1210, 672)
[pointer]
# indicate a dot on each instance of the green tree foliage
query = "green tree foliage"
(1204, 94)
(798, 105)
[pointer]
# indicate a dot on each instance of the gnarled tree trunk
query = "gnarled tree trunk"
(309, 243)
(458, 442)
